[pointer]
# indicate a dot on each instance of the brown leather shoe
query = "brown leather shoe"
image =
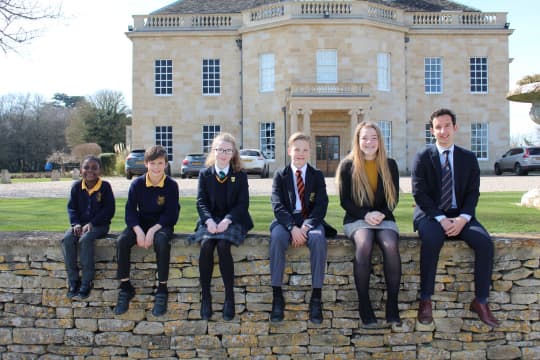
(484, 313)
(424, 312)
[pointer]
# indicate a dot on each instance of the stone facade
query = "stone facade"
(293, 32)
(38, 321)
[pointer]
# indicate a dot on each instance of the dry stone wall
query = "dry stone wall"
(37, 321)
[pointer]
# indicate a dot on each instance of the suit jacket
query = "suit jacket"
(284, 197)
(426, 182)
(354, 212)
(237, 197)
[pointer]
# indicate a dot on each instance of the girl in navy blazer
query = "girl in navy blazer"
(222, 203)
(369, 189)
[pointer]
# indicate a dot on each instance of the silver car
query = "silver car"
(519, 160)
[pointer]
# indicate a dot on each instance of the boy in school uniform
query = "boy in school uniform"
(299, 201)
(90, 208)
(152, 210)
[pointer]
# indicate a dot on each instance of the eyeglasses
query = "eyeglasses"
(223, 151)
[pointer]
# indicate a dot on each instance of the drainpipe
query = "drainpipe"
(284, 109)
(239, 45)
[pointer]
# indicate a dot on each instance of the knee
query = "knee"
(317, 240)
(223, 247)
(161, 242)
(69, 239)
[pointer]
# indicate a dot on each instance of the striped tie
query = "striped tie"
(447, 183)
(221, 175)
(300, 188)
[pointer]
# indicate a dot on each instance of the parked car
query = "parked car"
(135, 164)
(192, 164)
(520, 160)
(254, 162)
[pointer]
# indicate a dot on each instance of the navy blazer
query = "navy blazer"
(354, 212)
(426, 182)
(237, 197)
(284, 197)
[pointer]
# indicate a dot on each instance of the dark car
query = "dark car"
(135, 164)
(519, 160)
(192, 164)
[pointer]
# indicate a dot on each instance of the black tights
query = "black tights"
(388, 243)
(226, 266)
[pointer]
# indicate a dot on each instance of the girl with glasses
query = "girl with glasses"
(222, 203)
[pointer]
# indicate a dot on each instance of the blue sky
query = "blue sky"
(92, 37)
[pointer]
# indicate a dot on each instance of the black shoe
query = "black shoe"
(228, 310)
(278, 306)
(85, 290)
(160, 303)
(124, 297)
(206, 308)
(315, 311)
(73, 288)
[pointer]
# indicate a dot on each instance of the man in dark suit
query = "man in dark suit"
(445, 186)
(299, 201)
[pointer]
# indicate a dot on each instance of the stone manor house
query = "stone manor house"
(263, 69)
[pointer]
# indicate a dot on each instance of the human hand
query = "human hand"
(299, 237)
(86, 228)
(456, 226)
(211, 226)
(223, 225)
(140, 235)
(77, 230)
(374, 217)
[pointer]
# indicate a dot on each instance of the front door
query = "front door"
(327, 154)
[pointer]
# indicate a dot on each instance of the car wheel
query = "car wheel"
(129, 175)
(518, 170)
(183, 176)
(497, 169)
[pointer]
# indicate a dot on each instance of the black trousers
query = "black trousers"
(162, 247)
(474, 234)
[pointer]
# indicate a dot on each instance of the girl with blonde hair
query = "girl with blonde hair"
(368, 184)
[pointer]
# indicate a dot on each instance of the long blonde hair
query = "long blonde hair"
(236, 164)
(361, 191)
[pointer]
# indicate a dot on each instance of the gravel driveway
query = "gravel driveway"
(188, 187)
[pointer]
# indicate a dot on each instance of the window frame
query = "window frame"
(477, 73)
(208, 132)
(163, 135)
(163, 81)
(267, 139)
(483, 138)
(211, 77)
(429, 139)
(433, 75)
(267, 63)
(386, 131)
(327, 66)
(383, 72)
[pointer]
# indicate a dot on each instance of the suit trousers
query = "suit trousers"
(473, 233)
(162, 248)
(280, 239)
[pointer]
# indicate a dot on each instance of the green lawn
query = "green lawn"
(498, 211)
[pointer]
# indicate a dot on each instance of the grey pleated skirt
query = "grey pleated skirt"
(350, 228)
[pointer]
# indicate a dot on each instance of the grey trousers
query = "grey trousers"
(280, 239)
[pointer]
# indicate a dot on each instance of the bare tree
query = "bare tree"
(22, 20)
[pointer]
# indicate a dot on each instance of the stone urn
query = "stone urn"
(528, 93)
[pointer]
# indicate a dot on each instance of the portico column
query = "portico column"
(294, 121)
(354, 121)
(307, 121)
